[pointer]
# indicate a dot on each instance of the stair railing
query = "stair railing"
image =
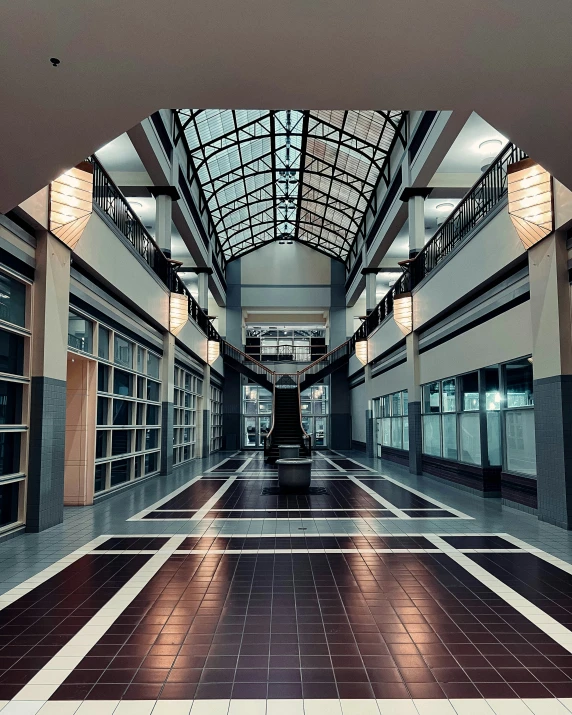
(257, 367)
(326, 360)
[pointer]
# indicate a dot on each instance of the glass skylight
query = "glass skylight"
(288, 174)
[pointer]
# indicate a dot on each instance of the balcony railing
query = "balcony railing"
(111, 201)
(478, 203)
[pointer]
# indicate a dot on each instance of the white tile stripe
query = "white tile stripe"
(554, 560)
(243, 467)
(219, 464)
(541, 620)
(41, 577)
(164, 500)
(44, 684)
(207, 506)
(508, 706)
(439, 504)
(398, 512)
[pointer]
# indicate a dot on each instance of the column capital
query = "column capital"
(412, 191)
(169, 191)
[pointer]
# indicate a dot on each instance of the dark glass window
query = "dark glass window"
(153, 365)
(80, 333)
(99, 483)
(152, 415)
(120, 442)
(9, 452)
(123, 351)
(431, 401)
(139, 441)
(153, 390)
(492, 388)
(151, 462)
(119, 472)
(469, 392)
(12, 301)
(11, 353)
(519, 390)
(103, 378)
(141, 387)
(103, 345)
(122, 412)
(138, 466)
(9, 503)
(10, 403)
(140, 414)
(122, 382)
(101, 444)
(102, 410)
(151, 438)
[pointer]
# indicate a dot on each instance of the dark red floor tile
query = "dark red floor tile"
(354, 690)
(425, 690)
(278, 691)
(178, 691)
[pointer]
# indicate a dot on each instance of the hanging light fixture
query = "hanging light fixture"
(213, 351)
(71, 203)
(178, 312)
(403, 312)
(530, 201)
(361, 351)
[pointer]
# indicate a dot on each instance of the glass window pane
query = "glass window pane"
(492, 393)
(122, 412)
(153, 365)
(153, 391)
(519, 390)
(122, 382)
(140, 414)
(520, 442)
(494, 438)
(9, 494)
(431, 398)
(102, 411)
(448, 395)
(80, 332)
(152, 438)
(396, 404)
(386, 406)
(141, 387)
(119, 472)
(151, 462)
(101, 444)
(140, 359)
(432, 434)
(265, 408)
(123, 351)
(103, 343)
(320, 434)
(100, 472)
(449, 423)
(470, 438)
(250, 432)
(9, 452)
(102, 378)
(121, 442)
(12, 300)
(405, 433)
(10, 403)
(386, 431)
(11, 353)
(405, 402)
(396, 432)
(152, 415)
(469, 389)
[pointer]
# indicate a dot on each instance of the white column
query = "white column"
(203, 301)
(370, 289)
(416, 209)
(163, 218)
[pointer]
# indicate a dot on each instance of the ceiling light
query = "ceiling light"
(445, 207)
(489, 150)
(135, 204)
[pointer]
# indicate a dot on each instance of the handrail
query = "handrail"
(228, 349)
(314, 364)
(484, 196)
(108, 197)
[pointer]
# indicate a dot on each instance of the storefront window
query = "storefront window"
(390, 422)
(431, 402)
(520, 444)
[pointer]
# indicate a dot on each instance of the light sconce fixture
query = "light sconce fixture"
(489, 150)
(213, 351)
(71, 203)
(179, 312)
(530, 201)
(361, 351)
(403, 312)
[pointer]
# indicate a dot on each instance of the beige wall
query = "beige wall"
(287, 264)
(388, 335)
(393, 380)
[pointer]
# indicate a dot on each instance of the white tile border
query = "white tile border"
(153, 507)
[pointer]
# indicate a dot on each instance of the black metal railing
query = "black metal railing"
(343, 350)
(111, 201)
(485, 195)
(247, 360)
(482, 198)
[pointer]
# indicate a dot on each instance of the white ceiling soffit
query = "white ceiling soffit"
(509, 60)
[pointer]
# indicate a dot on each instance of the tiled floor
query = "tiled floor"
(209, 593)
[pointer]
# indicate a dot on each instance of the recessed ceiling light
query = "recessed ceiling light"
(136, 204)
(490, 147)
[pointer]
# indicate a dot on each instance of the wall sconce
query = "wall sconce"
(530, 203)
(71, 203)
(213, 351)
(361, 351)
(179, 312)
(403, 312)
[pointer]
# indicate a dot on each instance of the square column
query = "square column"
(552, 369)
(414, 404)
(206, 416)
(45, 497)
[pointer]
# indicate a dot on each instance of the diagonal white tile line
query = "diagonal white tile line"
(439, 504)
(541, 620)
(26, 586)
(246, 463)
(45, 683)
(223, 461)
(207, 506)
(545, 556)
(334, 465)
(388, 505)
(164, 500)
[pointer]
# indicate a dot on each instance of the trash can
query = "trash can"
(294, 474)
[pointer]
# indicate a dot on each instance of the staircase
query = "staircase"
(286, 388)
